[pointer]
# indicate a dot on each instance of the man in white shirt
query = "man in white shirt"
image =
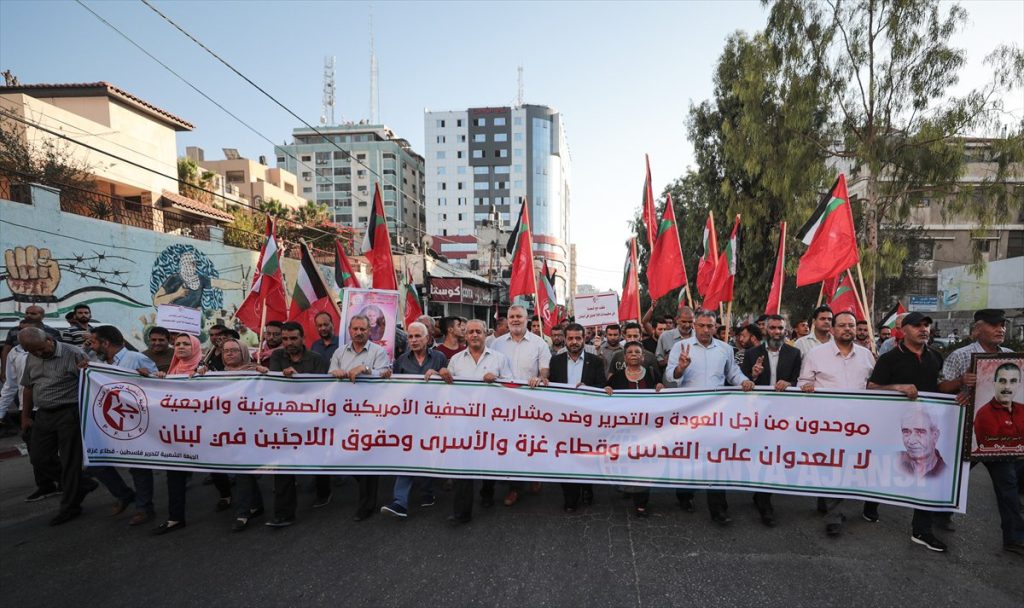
(840, 364)
(477, 362)
(821, 332)
(360, 357)
(669, 337)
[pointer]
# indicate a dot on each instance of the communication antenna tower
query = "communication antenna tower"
(327, 117)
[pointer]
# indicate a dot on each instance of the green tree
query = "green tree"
(887, 69)
(194, 181)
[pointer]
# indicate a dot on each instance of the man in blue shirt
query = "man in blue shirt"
(704, 362)
(328, 342)
(108, 344)
(419, 360)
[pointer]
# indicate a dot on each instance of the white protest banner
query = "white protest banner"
(596, 308)
(179, 319)
(849, 445)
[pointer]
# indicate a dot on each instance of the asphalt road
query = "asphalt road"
(531, 554)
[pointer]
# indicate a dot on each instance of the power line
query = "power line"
(155, 172)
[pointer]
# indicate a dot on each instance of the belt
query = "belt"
(59, 408)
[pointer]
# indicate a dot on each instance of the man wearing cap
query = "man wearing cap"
(908, 368)
(989, 331)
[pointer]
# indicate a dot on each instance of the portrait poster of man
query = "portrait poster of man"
(998, 417)
(380, 307)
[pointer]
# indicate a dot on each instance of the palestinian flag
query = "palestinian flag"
(344, 276)
(721, 286)
(889, 320)
(774, 305)
(844, 299)
(650, 215)
(665, 269)
(708, 256)
(629, 306)
(413, 310)
(266, 299)
(520, 247)
(311, 297)
(830, 236)
(377, 245)
(547, 302)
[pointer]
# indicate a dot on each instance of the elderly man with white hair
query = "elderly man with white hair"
(419, 360)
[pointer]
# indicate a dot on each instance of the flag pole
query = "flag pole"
(864, 304)
(533, 270)
(636, 273)
(263, 323)
(728, 321)
(821, 294)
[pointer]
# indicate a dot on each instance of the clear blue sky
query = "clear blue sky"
(623, 74)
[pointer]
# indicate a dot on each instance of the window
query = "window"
(480, 137)
(481, 185)
(478, 153)
(482, 200)
(1015, 244)
(306, 158)
(323, 172)
(441, 170)
(518, 184)
(362, 203)
(440, 124)
(442, 200)
(479, 122)
(518, 153)
(458, 154)
(462, 201)
(502, 153)
(458, 122)
(342, 171)
(499, 121)
(518, 168)
(501, 137)
(481, 170)
(339, 155)
(501, 185)
(518, 120)
(983, 245)
(307, 175)
(923, 250)
(362, 189)
(390, 188)
(389, 156)
(360, 156)
(462, 139)
(323, 187)
(440, 139)
(307, 190)
(361, 174)
(518, 137)
(442, 185)
(502, 169)
(440, 155)
(460, 216)
(280, 159)
(343, 187)
(322, 158)
(461, 170)
(925, 285)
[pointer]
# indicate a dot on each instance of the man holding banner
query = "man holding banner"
(839, 364)
(704, 362)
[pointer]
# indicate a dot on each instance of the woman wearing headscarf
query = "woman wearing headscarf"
(249, 501)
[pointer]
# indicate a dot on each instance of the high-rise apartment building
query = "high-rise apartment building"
(341, 173)
(484, 160)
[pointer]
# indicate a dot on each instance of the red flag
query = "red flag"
(650, 216)
(665, 269)
(844, 299)
(709, 257)
(629, 306)
(520, 246)
(412, 300)
(377, 245)
(311, 297)
(774, 304)
(828, 287)
(267, 294)
(830, 236)
(344, 276)
(721, 286)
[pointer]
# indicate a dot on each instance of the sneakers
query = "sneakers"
(65, 516)
(929, 541)
(870, 513)
(280, 522)
(511, 498)
(395, 510)
(322, 501)
(1016, 548)
(428, 501)
(41, 494)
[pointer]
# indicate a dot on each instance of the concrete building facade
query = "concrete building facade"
(252, 180)
(342, 170)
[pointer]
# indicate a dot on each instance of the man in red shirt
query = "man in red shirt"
(1000, 422)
